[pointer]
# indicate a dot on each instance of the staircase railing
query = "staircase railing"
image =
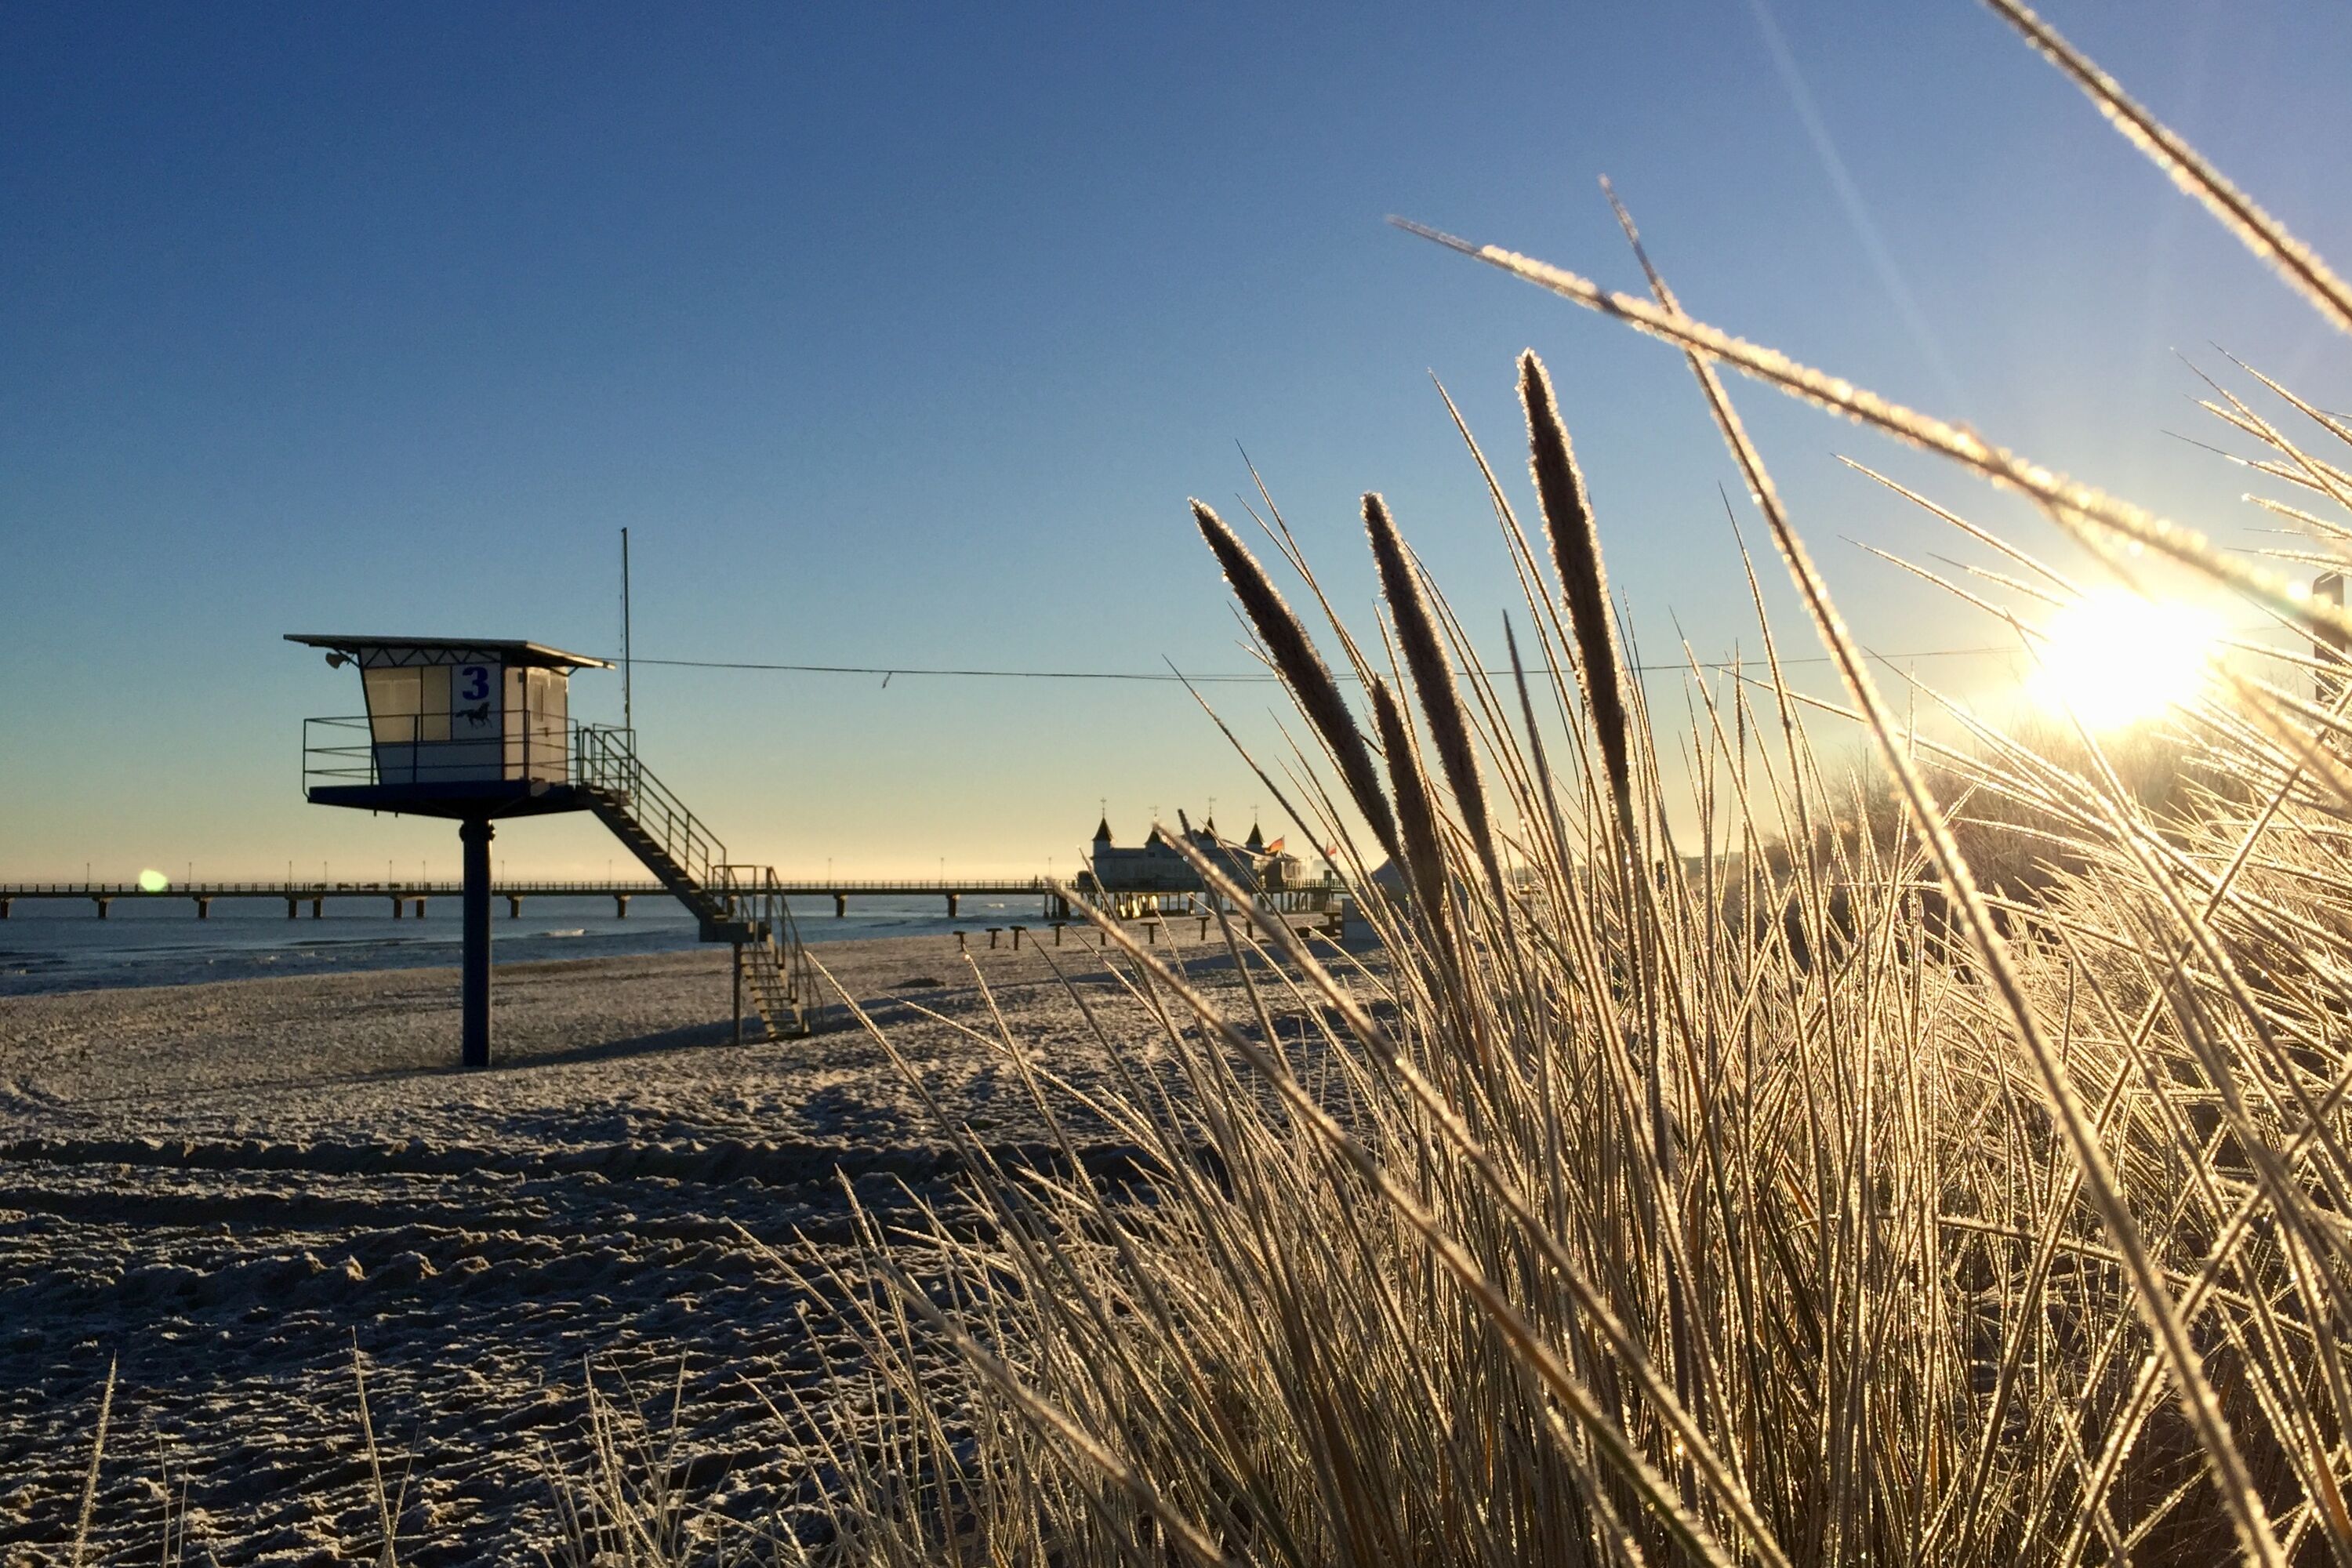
(739, 903)
(779, 966)
(606, 759)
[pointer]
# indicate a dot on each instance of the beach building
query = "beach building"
(1153, 873)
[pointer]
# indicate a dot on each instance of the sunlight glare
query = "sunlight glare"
(152, 881)
(2115, 658)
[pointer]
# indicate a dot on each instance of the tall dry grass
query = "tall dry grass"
(1987, 1203)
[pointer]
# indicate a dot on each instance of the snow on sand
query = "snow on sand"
(226, 1186)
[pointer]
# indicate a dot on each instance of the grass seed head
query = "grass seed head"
(1302, 670)
(1584, 581)
(1433, 678)
(1424, 859)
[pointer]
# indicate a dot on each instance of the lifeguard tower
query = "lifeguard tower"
(480, 729)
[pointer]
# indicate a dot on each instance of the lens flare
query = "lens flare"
(2113, 658)
(151, 881)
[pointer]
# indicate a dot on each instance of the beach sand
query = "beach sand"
(227, 1188)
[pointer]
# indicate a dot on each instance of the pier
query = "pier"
(410, 898)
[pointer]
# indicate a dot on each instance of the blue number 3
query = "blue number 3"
(477, 684)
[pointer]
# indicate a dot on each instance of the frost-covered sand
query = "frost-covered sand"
(226, 1186)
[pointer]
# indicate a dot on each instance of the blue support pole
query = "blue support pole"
(475, 834)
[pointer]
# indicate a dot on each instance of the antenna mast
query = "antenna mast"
(628, 709)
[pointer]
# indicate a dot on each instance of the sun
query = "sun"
(2113, 658)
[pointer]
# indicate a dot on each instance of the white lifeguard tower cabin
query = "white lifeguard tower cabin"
(453, 727)
(477, 728)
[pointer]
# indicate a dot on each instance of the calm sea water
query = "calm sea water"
(62, 945)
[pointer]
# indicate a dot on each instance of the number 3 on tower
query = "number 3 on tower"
(470, 696)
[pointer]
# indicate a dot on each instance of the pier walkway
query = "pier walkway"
(407, 896)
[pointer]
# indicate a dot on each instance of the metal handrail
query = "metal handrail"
(368, 755)
(755, 896)
(606, 759)
(751, 898)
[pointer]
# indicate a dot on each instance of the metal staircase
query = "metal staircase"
(737, 903)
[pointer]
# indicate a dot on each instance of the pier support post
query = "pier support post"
(952, 899)
(204, 909)
(475, 834)
(514, 906)
(620, 905)
(103, 905)
(6, 904)
(318, 909)
(840, 905)
(397, 906)
(292, 905)
(420, 909)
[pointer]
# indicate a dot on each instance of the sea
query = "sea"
(51, 945)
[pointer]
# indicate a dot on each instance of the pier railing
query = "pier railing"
(573, 887)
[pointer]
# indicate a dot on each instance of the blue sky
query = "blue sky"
(899, 336)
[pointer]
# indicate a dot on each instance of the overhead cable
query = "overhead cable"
(888, 670)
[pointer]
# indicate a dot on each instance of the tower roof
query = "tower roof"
(372, 651)
(1102, 831)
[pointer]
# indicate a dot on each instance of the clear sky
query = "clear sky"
(899, 336)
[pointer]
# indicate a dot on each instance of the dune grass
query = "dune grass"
(1951, 1173)
(1941, 1162)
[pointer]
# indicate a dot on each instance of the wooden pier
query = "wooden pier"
(411, 898)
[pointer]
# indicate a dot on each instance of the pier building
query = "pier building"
(1153, 873)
